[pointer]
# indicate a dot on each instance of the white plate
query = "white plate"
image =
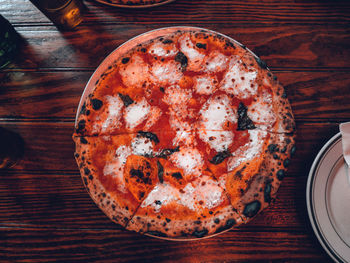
(328, 200)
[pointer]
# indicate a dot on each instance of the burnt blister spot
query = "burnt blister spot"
(86, 171)
(286, 163)
(83, 109)
(126, 99)
(220, 157)
(244, 122)
(83, 140)
(280, 174)
(125, 60)
(229, 224)
(160, 172)
(149, 135)
(272, 148)
(267, 192)
(138, 173)
(252, 208)
(182, 59)
(96, 104)
(167, 41)
(81, 126)
(200, 233)
(200, 45)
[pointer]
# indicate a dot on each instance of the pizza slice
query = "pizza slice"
(117, 172)
(193, 209)
(256, 171)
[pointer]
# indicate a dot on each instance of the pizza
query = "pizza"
(185, 135)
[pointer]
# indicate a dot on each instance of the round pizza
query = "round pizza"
(184, 135)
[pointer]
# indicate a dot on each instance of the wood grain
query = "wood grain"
(45, 212)
(285, 46)
(55, 95)
(45, 188)
(119, 246)
(222, 11)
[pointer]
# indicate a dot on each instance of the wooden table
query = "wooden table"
(45, 212)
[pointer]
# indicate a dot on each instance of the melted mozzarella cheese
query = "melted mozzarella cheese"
(216, 62)
(239, 81)
(175, 95)
(188, 159)
(166, 72)
(261, 111)
(217, 140)
(204, 84)
(136, 72)
(204, 193)
(249, 151)
(142, 146)
(163, 194)
(115, 105)
(208, 192)
(195, 58)
(136, 113)
(115, 167)
(215, 112)
(161, 50)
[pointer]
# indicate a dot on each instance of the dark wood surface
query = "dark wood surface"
(45, 212)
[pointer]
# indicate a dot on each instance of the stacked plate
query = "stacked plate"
(328, 200)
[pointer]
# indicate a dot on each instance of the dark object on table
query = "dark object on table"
(11, 148)
(9, 42)
(65, 14)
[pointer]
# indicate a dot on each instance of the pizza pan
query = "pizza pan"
(328, 200)
(110, 60)
(135, 6)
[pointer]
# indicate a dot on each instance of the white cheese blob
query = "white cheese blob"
(248, 151)
(163, 194)
(217, 140)
(261, 111)
(215, 112)
(204, 84)
(142, 146)
(194, 56)
(166, 72)
(162, 50)
(208, 192)
(203, 193)
(115, 106)
(175, 95)
(136, 113)
(115, 167)
(216, 62)
(135, 72)
(239, 80)
(188, 159)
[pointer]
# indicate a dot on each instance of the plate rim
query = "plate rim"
(103, 2)
(310, 206)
